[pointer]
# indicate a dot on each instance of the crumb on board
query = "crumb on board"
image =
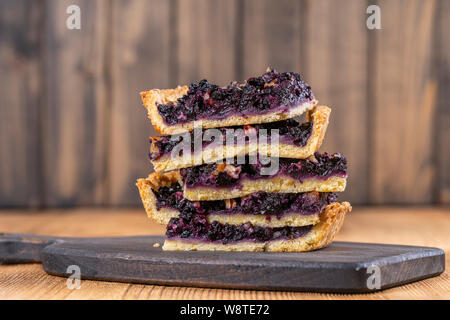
(156, 245)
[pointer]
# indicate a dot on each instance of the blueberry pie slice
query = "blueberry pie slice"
(198, 234)
(165, 200)
(271, 97)
(295, 140)
(321, 173)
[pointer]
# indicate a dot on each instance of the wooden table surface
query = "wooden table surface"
(400, 225)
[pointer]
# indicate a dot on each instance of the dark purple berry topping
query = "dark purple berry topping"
(278, 204)
(271, 91)
(198, 228)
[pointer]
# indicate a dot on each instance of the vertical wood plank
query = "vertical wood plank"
(74, 123)
(402, 168)
(443, 73)
(206, 40)
(272, 36)
(140, 61)
(20, 95)
(336, 67)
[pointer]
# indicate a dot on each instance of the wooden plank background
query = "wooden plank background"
(73, 132)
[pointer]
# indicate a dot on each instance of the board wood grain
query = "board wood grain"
(20, 102)
(340, 267)
(74, 111)
(402, 168)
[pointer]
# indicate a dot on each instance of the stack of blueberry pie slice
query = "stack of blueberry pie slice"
(235, 172)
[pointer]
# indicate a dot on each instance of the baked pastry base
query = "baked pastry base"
(281, 183)
(154, 181)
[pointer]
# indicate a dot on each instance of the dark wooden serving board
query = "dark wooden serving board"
(341, 267)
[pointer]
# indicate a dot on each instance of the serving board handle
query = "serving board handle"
(18, 248)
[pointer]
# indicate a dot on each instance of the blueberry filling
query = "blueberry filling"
(260, 203)
(198, 228)
(172, 197)
(290, 131)
(259, 95)
(320, 166)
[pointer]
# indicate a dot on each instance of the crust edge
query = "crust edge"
(153, 182)
(153, 97)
